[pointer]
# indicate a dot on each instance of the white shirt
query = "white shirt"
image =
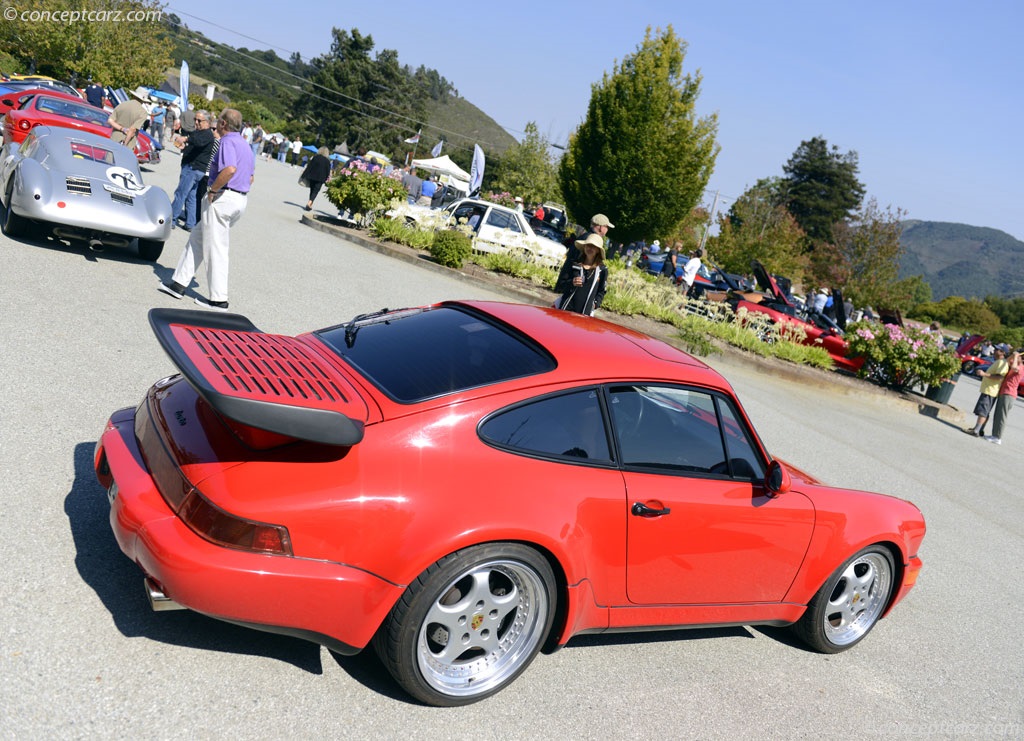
(690, 271)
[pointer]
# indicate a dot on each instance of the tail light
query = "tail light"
(223, 528)
(24, 124)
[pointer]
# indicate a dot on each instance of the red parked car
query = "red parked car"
(51, 108)
(468, 483)
(819, 330)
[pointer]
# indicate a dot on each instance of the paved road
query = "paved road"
(81, 655)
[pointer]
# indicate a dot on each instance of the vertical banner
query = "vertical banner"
(476, 172)
(183, 85)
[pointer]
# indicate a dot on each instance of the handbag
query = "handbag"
(303, 182)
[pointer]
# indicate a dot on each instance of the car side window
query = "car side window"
(744, 461)
(568, 426)
(672, 429)
(498, 219)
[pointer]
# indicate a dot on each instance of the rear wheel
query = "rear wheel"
(12, 224)
(150, 249)
(849, 604)
(470, 624)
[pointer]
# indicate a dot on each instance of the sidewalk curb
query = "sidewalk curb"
(830, 380)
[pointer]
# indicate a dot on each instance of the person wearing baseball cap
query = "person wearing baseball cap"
(599, 225)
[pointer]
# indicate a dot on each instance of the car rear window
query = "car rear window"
(68, 109)
(416, 355)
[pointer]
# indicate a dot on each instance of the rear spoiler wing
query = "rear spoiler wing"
(270, 382)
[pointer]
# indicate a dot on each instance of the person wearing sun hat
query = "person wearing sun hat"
(127, 119)
(582, 283)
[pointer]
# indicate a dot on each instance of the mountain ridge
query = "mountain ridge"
(963, 260)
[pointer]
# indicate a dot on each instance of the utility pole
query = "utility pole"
(711, 220)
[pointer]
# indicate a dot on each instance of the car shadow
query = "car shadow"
(118, 584)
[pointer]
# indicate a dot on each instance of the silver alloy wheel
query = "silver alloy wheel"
(484, 624)
(857, 599)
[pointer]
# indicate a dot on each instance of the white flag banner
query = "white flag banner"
(183, 85)
(436, 151)
(476, 172)
(414, 139)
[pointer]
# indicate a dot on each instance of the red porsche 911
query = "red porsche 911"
(56, 109)
(465, 484)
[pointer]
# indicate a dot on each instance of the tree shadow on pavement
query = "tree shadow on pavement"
(118, 583)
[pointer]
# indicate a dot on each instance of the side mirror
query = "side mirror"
(777, 480)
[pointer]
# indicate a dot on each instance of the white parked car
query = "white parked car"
(493, 228)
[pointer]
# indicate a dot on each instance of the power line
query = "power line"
(414, 122)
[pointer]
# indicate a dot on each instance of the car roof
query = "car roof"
(587, 348)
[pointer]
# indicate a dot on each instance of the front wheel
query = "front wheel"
(849, 604)
(150, 249)
(968, 367)
(470, 624)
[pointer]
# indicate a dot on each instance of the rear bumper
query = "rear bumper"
(333, 604)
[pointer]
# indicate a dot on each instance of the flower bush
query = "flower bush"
(502, 199)
(358, 190)
(901, 357)
(451, 248)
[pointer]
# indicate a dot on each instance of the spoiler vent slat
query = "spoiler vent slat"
(246, 361)
(263, 381)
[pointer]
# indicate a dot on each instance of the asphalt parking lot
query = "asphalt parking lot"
(81, 654)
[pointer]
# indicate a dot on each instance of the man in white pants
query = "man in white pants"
(231, 175)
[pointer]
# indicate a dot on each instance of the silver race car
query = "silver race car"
(83, 187)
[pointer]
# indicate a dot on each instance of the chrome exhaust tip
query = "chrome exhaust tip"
(158, 601)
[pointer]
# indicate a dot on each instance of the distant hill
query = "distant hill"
(256, 75)
(963, 260)
(460, 116)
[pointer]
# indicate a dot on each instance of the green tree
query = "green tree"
(121, 53)
(820, 188)
(865, 258)
(758, 227)
(642, 155)
(369, 101)
(526, 169)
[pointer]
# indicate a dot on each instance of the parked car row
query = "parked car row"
(493, 228)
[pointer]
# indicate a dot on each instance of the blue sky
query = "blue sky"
(929, 94)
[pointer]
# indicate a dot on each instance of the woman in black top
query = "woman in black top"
(317, 172)
(582, 284)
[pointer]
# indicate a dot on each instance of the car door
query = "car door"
(701, 528)
(499, 231)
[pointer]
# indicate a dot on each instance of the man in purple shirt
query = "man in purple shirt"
(231, 176)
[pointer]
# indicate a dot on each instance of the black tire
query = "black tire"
(850, 603)
(968, 367)
(499, 598)
(150, 249)
(12, 224)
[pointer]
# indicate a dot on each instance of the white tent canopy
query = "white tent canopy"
(442, 165)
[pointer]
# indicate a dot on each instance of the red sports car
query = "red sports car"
(467, 483)
(65, 111)
(818, 329)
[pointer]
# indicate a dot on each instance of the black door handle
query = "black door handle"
(642, 510)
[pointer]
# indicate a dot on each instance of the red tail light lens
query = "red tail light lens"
(223, 528)
(24, 125)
